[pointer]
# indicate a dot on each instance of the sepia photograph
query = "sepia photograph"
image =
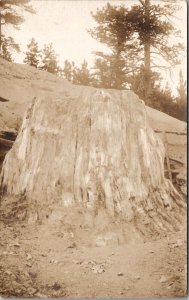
(93, 149)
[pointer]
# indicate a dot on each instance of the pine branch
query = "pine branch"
(142, 2)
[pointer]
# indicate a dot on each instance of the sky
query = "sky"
(65, 24)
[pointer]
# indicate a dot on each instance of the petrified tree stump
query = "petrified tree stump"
(93, 149)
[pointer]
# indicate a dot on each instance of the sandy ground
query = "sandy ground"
(44, 260)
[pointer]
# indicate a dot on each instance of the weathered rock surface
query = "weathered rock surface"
(93, 149)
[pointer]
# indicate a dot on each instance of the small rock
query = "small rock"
(8, 272)
(16, 284)
(174, 246)
(32, 274)
(72, 245)
(98, 270)
(26, 274)
(151, 251)
(16, 245)
(60, 234)
(77, 262)
(179, 242)
(163, 279)
(53, 261)
(95, 271)
(29, 256)
(31, 291)
(137, 277)
(39, 295)
(120, 274)
(56, 286)
(28, 265)
(20, 269)
(89, 262)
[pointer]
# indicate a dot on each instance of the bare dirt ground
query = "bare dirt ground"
(45, 260)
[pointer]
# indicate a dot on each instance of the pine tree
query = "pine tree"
(114, 30)
(101, 76)
(8, 46)
(10, 14)
(182, 95)
(49, 60)
(68, 72)
(153, 28)
(33, 55)
(164, 100)
(132, 35)
(5, 53)
(82, 75)
(137, 81)
(182, 98)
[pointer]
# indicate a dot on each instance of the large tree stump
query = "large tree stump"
(93, 149)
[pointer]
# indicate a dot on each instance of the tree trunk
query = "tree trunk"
(93, 150)
(118, 68)
(0, 32)
(147, 58)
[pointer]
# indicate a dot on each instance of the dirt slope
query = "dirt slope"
(19, 84)
(44, 260)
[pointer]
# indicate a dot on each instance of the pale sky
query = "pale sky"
(65, 24)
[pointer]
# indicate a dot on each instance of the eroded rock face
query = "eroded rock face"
(93, 149)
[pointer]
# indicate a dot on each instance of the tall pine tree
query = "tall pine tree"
(33, 54)
(82, 75)
(68, 71)
(49, 60)
(77, 75)
(138, 38)
(11, 14)
(182, 94)
(8, 45)
(153, 28)
(5, 53)
(115, 31)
